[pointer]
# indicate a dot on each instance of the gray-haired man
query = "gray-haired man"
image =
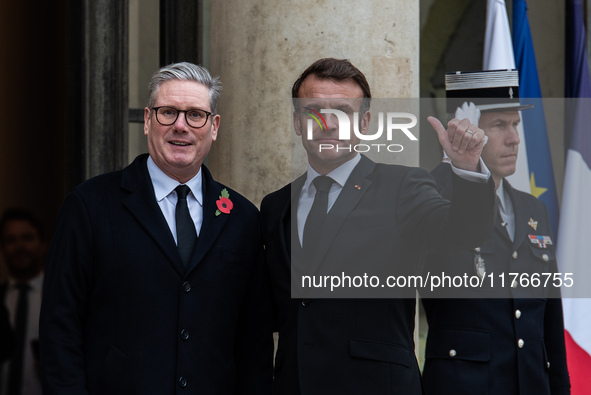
(154, 280)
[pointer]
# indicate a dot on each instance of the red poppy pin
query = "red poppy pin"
(224, 203)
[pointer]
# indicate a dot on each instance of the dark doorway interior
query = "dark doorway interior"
(32, 80)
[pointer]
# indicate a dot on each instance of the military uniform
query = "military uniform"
(509, 345)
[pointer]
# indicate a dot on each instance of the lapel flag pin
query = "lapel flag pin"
(533, 224)
(357, 187)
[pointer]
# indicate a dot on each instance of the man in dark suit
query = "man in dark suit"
(497, 340)
(23, 248)
(360, 346)
(125, 310)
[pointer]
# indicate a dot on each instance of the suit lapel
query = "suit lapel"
(355, 188)
(141, 203)
(289, 216)
(500, 229)
(212, 225)
(522, 213)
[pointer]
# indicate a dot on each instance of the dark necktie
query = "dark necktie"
(500, 217)
(15, 375)
(317, 213)
(186, 235)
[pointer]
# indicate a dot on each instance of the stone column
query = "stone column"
(97, 88)
(259, 48)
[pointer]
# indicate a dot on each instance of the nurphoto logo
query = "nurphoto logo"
(395, 121)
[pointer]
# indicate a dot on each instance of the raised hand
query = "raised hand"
(462, 141)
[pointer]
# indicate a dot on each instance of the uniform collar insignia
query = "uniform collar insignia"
(533, 224)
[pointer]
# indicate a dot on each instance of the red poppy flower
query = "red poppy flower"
(224, 205)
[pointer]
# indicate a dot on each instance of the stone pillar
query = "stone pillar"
(259, 48)
(97, 90)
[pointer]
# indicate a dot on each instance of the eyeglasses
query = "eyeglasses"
(168, 115)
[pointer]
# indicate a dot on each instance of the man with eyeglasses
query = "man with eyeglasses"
(154, 281)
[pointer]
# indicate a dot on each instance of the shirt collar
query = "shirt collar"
(35, 284)
(164, 185)
(501, 195)
(340, 175)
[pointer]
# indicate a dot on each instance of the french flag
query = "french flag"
(575, 217)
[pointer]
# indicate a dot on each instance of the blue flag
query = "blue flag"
(541, 173)
(577, 83)
(575, 219)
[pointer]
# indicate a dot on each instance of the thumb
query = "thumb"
(438, 127)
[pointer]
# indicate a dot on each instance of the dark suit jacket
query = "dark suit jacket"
(485, 332)
(121, 315)
(364, 346)
(6, 333)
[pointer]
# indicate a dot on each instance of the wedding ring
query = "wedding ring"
(469, 131)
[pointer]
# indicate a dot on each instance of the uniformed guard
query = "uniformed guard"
(506, 338)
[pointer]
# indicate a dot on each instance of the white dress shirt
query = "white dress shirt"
(166, 196)
(506, 210)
